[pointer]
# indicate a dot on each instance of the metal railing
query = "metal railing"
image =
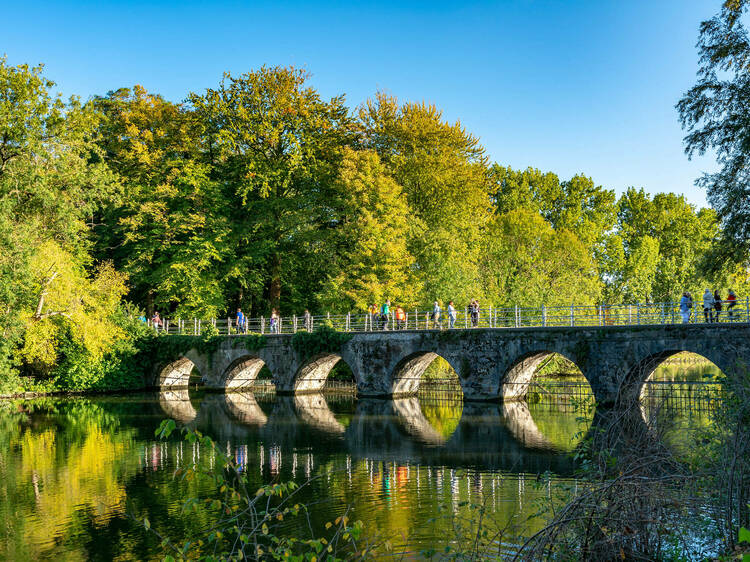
(488, 317)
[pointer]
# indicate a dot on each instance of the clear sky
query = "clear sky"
(566, 86)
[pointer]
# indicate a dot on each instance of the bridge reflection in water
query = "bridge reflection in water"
(487, 436)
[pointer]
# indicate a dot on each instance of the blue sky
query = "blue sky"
(564, 86)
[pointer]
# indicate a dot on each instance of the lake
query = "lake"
(77, 472)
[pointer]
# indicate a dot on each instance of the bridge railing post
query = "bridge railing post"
(638, 313)
(262, 325)
(466, 317)
(747, 309)
(294, 323)
(572, 315)
(544, 316)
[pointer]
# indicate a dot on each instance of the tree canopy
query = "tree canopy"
(262, 194)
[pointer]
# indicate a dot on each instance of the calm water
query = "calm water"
(73, 471)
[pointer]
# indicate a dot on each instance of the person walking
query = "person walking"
(436, 323)
(385, 312)
(156, 321)
(731, 303)
(308, 321)
(685, 305)
(708, 305)
(400, 318)
(274, 321)
(240, 321)
(451, 315)
(474, 308)
(717, 305)
(372, 310)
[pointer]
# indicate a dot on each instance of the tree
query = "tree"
(170, 229)
(665, 240)
(52, 184)
(526, 262)
(443, 171)
(276, 144)
(372, 262)
(577, 205)
(715, 113)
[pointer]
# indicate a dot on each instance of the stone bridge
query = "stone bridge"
(492, 364)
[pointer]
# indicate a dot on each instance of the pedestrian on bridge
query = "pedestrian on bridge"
(451, 314)
(474, 311)
(240, 321)
(731, 303)
(686, 303)
(308, 321)
(385, 312)
(400, 318)
(708, 305)
(372, 310)
(156, 321)
(436, 323)
(274, 321)
(717, 305)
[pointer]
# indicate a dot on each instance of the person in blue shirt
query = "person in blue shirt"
(240, 321)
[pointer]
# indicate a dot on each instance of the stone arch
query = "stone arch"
(242, 372)
(407, 374)
(311, 377)
(517, 377)
(631, 389)
(176, 374)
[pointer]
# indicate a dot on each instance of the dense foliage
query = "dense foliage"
(259, 193)
(715, 114)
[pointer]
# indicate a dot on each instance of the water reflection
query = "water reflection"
(72, 469)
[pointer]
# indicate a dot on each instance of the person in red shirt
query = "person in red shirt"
(731, 303)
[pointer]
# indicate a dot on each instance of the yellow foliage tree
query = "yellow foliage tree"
(68, 299)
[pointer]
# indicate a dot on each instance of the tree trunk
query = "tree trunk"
(274, 289)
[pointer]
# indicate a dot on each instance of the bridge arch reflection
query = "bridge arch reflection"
(487, 434)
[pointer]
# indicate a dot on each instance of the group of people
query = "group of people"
(274, 324)
(713, 304)
(381, 318)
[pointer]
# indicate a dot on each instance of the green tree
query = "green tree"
(715, 114)
(372, 261)
(52, 183)
(276, 144)
(665, 241)
(443, 171)
(526, 262)
(170, 229)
